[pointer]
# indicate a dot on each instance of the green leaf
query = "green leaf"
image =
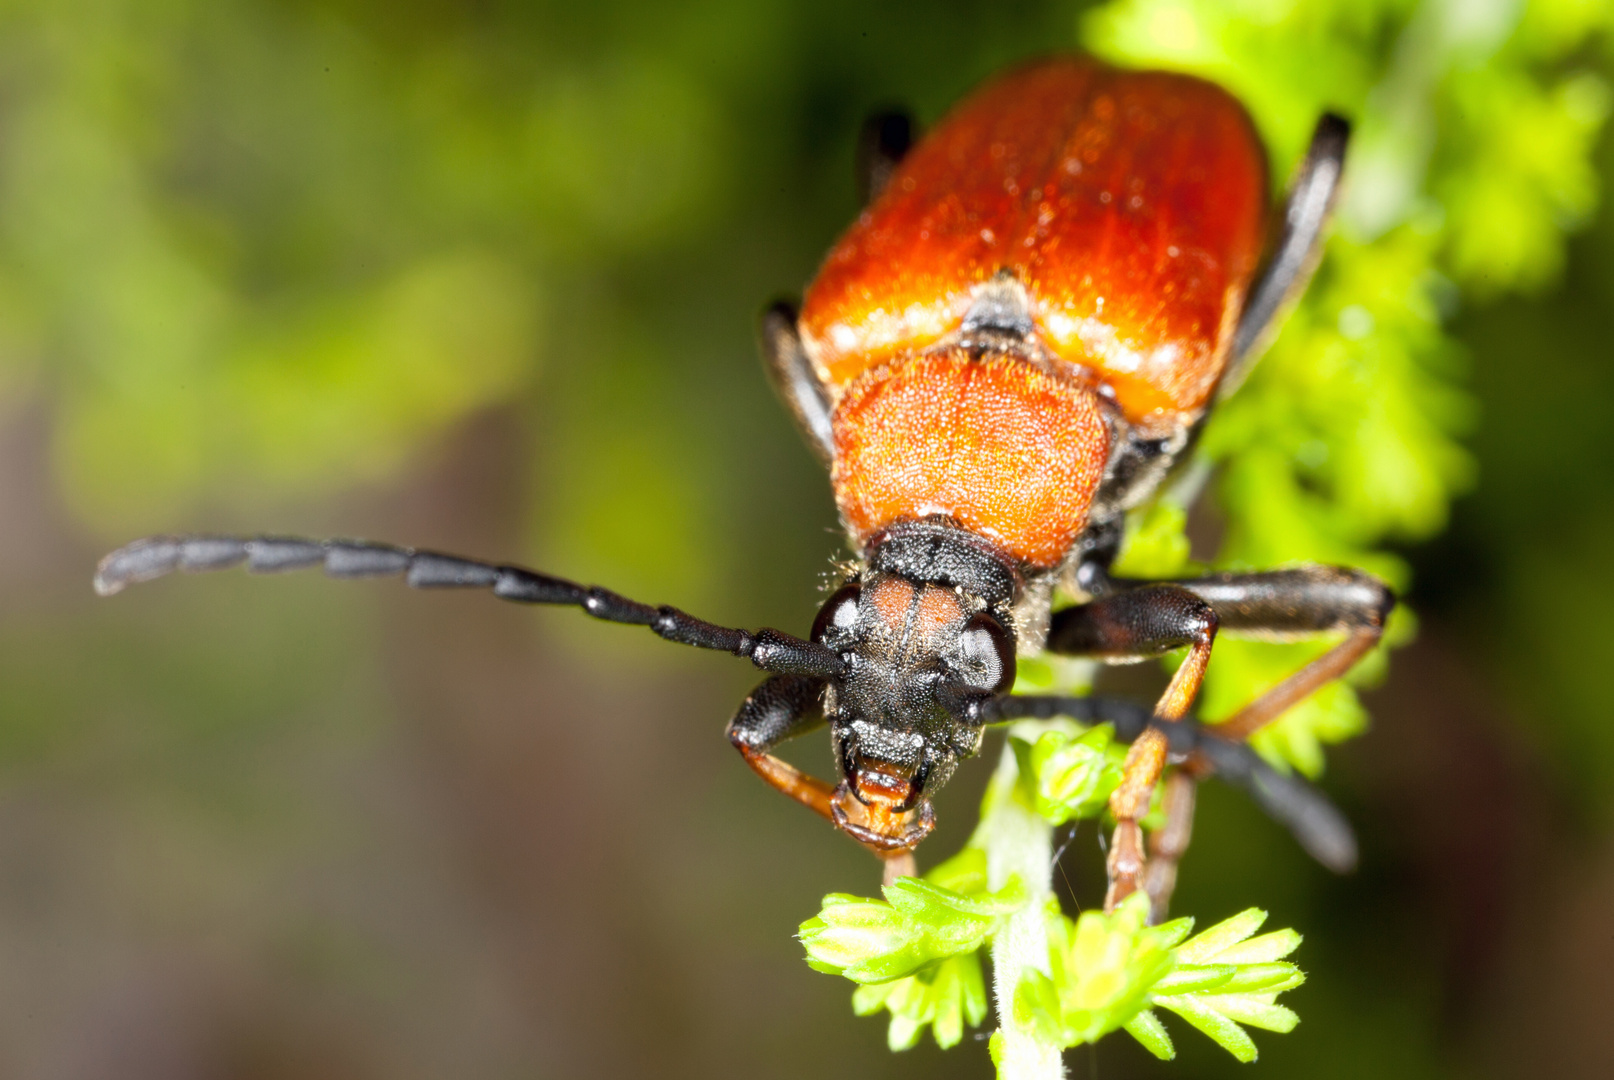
(1261, 950)
(1266, 978)
(1204, 1016)
(963, 873)
(1207, 945)
(947, 997)
(865, 940)
(903, 1033)
(1176, 931)
(1102, 968)
(1108, 971)
(1257, 1010)
(1148, 1030)
(931, 903)
(1225, 977)
(918, 923)
(1193, 979)
(1036, 1005)
(1155, 544)
(1070, 776)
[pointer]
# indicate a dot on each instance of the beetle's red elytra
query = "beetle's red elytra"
(1130, 207)
(1012, 347)
(1125, 208)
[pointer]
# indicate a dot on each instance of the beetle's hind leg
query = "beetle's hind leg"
(1278, 603)
(782, 708)
(1296, 603)
(1169, 843)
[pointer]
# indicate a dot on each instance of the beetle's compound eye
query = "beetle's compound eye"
(987, 651)
(839, 613)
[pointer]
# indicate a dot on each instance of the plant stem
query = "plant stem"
(1019, 842)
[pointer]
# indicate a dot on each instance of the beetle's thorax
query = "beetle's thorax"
(983, 428)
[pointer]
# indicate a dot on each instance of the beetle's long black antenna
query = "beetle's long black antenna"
(156, 556)
(1299, 247)
(1315, 822)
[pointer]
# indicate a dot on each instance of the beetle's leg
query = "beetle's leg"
(1318, 826)
(1276, 604)
(791, 372)
(1132, 625)
(1279, 605)
(1169, 843)
(153, 557)
(1299, 686)
(1299, 247)
(782, 708)
(786, 706)
(1145, 761)
(1296, 603)
(882, 143)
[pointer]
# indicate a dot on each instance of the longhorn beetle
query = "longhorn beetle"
(1012, 346)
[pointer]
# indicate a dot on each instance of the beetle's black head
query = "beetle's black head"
(922, 658)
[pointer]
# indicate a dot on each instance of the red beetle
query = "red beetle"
(1012, 346)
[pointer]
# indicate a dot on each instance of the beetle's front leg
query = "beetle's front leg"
(782, 708)
(1135, 625)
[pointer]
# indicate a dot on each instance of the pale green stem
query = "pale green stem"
(1019, 843)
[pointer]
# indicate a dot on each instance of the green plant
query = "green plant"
(916, 953)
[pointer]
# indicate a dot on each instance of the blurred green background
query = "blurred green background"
(484, 278)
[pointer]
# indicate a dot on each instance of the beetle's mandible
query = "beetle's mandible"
(1012, 346)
